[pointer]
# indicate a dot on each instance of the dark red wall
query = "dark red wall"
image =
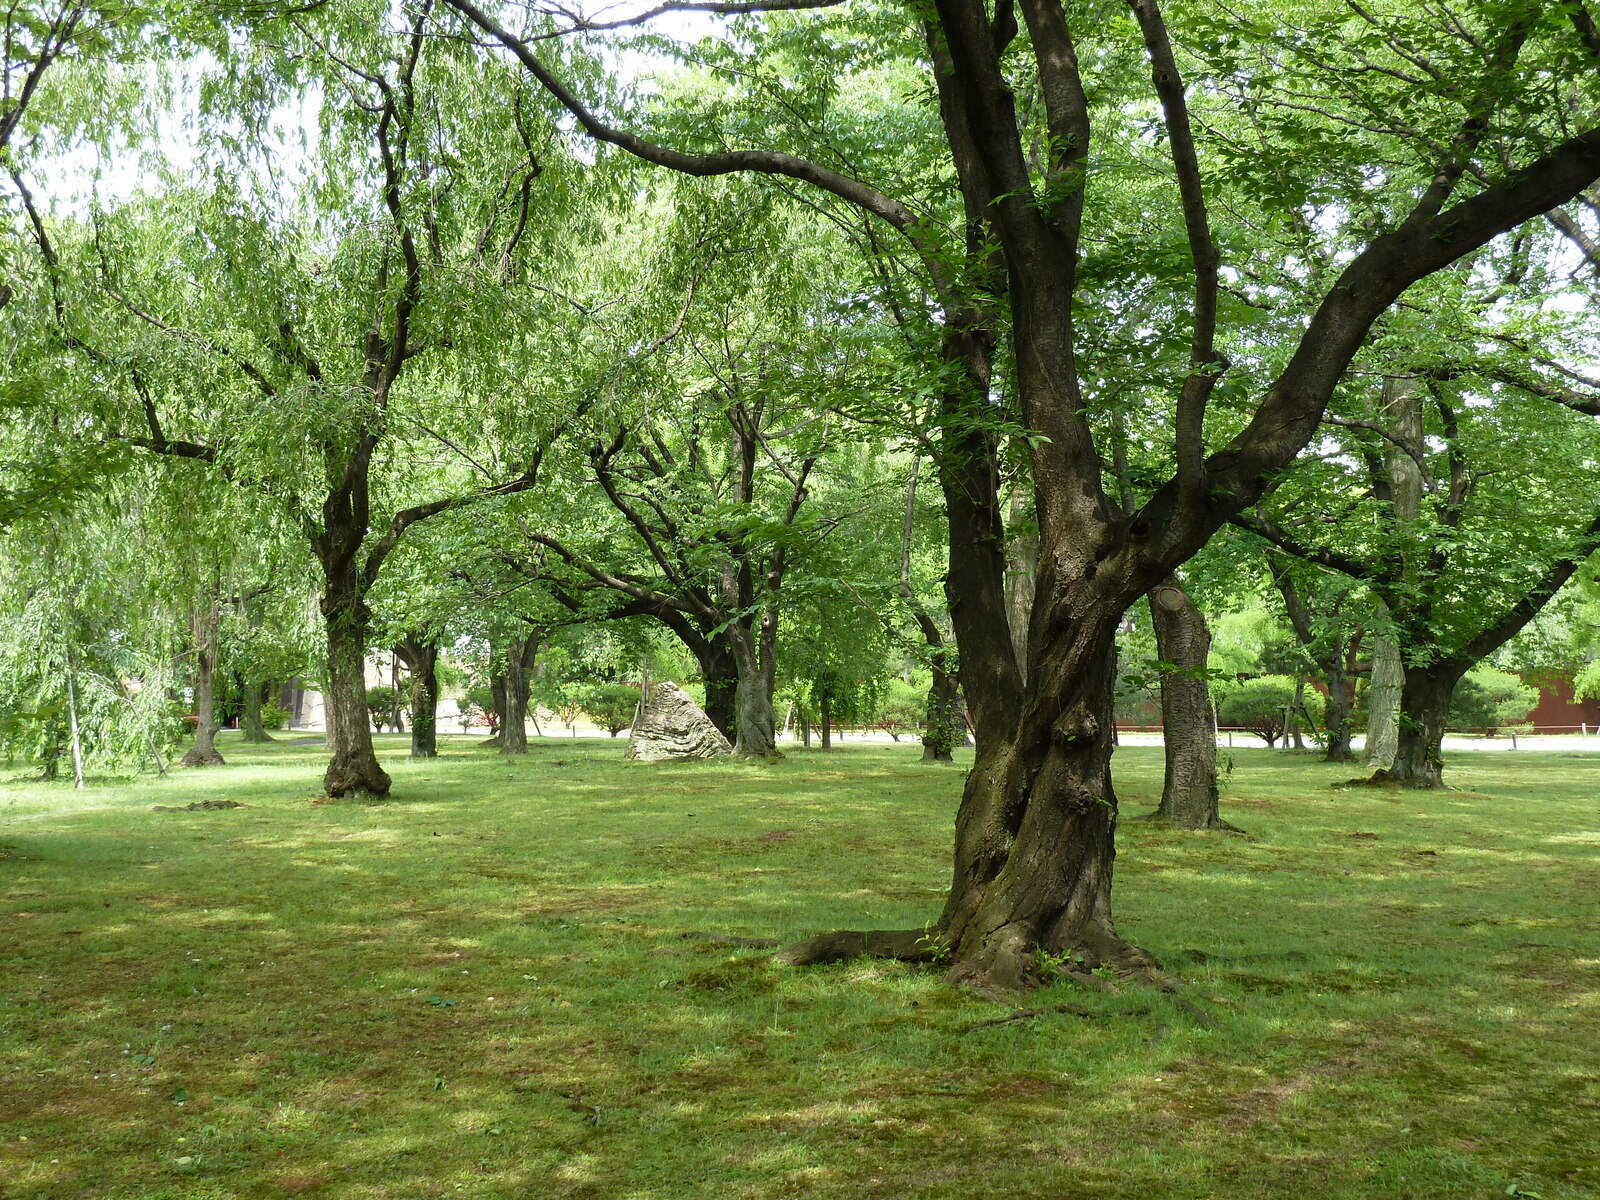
(1557, 711)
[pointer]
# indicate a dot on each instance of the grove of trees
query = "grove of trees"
(969, 366)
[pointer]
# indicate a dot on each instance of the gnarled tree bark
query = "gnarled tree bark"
(1035, 832)
(1424, 709)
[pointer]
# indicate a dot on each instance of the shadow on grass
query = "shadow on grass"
(485, 988)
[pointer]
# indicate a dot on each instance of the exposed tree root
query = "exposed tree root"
(1004, 970)
(1413, 783)
(355, 778)
(905, 945)
(1386, 781)
(199, 758)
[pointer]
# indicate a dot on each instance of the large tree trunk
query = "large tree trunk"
(421, 656)
(520, 654)
(1402, 413)
(754, 720)
(1189, 791)
(207, 625)
(1383, 703)
(720, 674)
(975, 593)
(1424, 709)
(353, 769)
(1035, 833)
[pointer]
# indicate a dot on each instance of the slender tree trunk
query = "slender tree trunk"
(940, 729)
(397, 721)
(207, 625)
(255, 733)
(1297, 716)
(1341, 699)
(353, 770)
(1402, 410)
(420, 653)
(497, 719)
(520, 654)
(75, 731)
(1189, 791)
(826, 704)
(1424, 709)
(944, 726)
(1022, 561)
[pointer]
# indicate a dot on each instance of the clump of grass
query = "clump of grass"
(515, 979)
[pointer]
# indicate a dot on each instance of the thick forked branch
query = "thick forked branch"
(1065, 103)
(600, 459)
(1205, 365)
(627, 587)
(766, 162)
(1038, 229)
(1389, 264)
(407, 517)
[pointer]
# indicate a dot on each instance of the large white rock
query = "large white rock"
(671, 725)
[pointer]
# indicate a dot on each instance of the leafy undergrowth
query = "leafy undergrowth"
(506, 983)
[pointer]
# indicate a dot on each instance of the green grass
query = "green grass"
(483, 988)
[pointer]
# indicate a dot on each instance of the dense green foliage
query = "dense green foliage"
(1489, 700)
(611, 706)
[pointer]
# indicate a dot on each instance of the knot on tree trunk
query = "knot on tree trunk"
(1077, 726)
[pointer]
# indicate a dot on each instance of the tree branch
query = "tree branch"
(1205, 364)
(916, 229)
